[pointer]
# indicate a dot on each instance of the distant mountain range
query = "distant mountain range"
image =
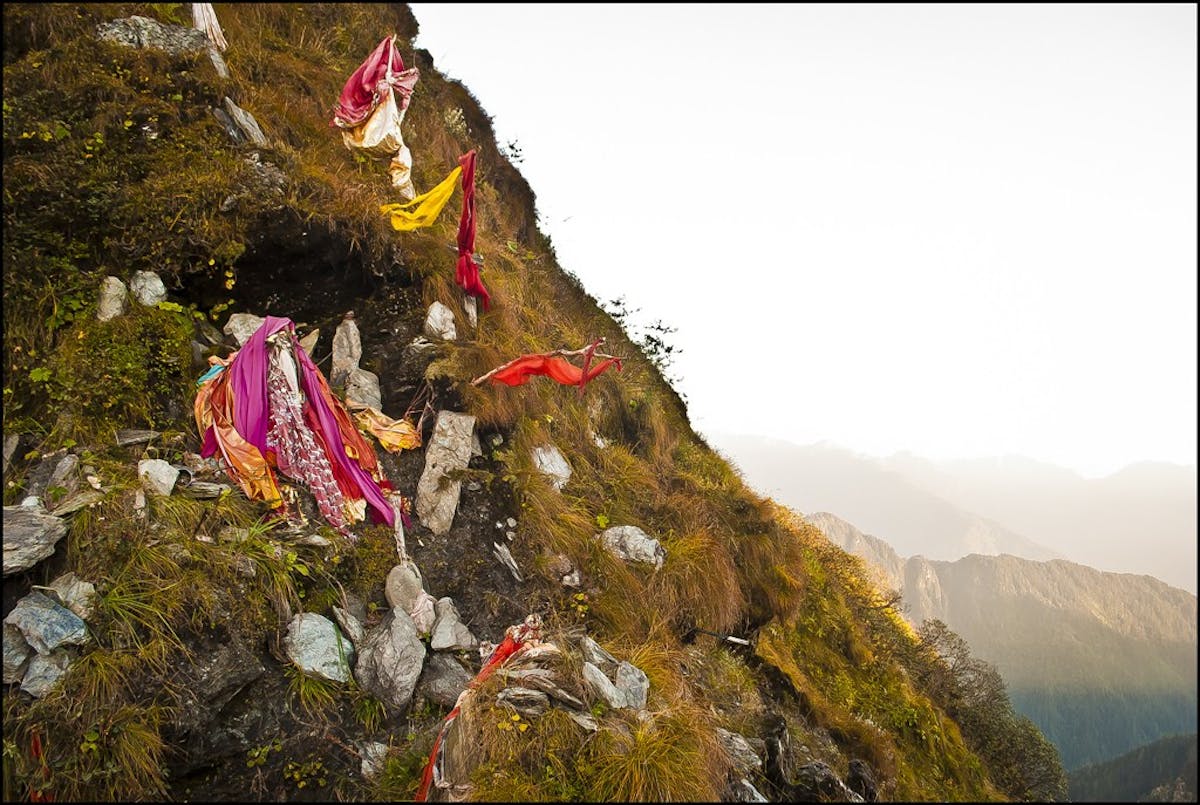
(1164, 771)
(1102, 662)
(1139, 520)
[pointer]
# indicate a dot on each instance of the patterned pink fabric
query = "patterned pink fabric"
(296, 452)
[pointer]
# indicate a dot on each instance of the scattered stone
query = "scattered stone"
(443, 680)
(861, 780)
(595, 654)
(373, 754)
(550, 462)
(230, 202)
(30, 535)
(56, 470)
(420, 348)
(11, 442)
(543, 679)
(245, 122)
(157, 476)
(449, 632)
(75, 594)
(449, 449)
(439, 323)
(632, 544)
(390, 659)
(476, 447)
(204, 490)
(572, 579)
(470, 307)
(349, 624)
(473, 486)
(135, 436)
(510, 536)
(143, 32)
(634, 684)
(403, 586)
(147, 287)
(17, 652)
(529, 703)
(362, 388)
(511, 522)
(743, 790)
(745, 759)
(241, 326)
(504, 555)
(317, 647)
(602, 687)
(584, 720)
(218, 62)
(347, 351)
(44, 671)
(113, 294)
(265, 177)
(309, 342)
(46, 624)
(817, 782)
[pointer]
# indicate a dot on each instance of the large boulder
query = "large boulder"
(30, 535)
(449, 449)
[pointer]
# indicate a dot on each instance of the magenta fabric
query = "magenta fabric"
(466, 272)
(362, 92)
(248, 379)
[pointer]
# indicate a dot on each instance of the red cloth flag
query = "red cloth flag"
(383, 69)
(466, 273)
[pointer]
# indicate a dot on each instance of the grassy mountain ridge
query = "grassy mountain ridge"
(1163, 771)
(1101, 661)
(114, 163)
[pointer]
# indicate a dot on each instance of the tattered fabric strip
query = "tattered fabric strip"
(466, 273)
(425, 208)
(361, 93)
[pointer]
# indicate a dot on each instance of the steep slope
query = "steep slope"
(186, 684)
(1163, 771)
(1102, 662)
(881, 500)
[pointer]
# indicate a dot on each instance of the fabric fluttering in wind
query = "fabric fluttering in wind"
(425, 208)
(267, 409)
(204, 18)
(371, 109)
(516, 639)
(554, 365)
(466, 273)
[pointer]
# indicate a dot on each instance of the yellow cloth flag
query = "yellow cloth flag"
(425, 208)
(394, 434)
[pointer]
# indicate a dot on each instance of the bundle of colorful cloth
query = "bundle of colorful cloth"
(268, 410)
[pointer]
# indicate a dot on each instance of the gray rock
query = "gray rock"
(241, 326)
(449, 449)
(157, 476)
(204, 490)
(543, 679)
(634, 684)
(439, 323)
(44, 671)
(632, 544)
(419, 350)
(75, 594)
(594, 653)
(45, 624)
(143, 32)
(584, 720)
(817, 782)
(743, 790)
(349, 624)
(390, 660)
(861, 780)
(504, 556)
(403, 586)
(30, 535)
(11, 442)
(572, 579)
(526, 701)
(130, 436)
(113, 295)
(54, 470)
(265, 177)
(245, 122)
(318, 648)
(602, 686)
(309, 342)
(17, 652)
(373, 754)
(443, 680)
(449, 632)
(147, 287)
(347, 351)
(551, 463)
(218, 62)
(470, 307)
(745, 759)
(362, 388)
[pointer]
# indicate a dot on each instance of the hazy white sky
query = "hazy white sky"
(958, 230)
